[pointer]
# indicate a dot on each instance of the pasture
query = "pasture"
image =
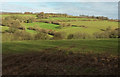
(76, 46)
(69, 57)
(36, 47)
(41, 25)
(91, 25)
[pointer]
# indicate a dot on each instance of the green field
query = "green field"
(4, 28)
(94, 46)
(41, 25)
(65, 18)
(91, 26)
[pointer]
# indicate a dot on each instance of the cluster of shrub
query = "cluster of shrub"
(47, 15)
(45, 35)
(86, 16)
(17, 34)
(108, 33)
(61, 25)
(6, 21)
(57, 15)
(47, 31)
(23, 35)
(50, 22)
(42, 15)
(13, 25)
(65, 25)
(14, 22)
(79, 35)
(96, 17)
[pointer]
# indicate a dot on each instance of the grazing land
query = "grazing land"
(53, 44)
(83, 46)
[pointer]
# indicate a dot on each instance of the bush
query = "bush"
(79, 35)
(51, 32)
(22, 35)
(26, 19)
(41, 36)
(32, 28)
(83, 26)
(70, 36)
(11, 30)
(29, 20)
(17, 35)
(108, 33)
(65, 25)
(21, 28)
(55, 22)
(59, 35)
(6, 22)
(102, 18)
(7, 36)
(42, 15)
(15, 23)
(14, 18)
(101, 35)
(114, 34)
(10, 22)
(108, 28)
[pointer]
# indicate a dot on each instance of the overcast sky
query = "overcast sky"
(59, 0)
(108, 9)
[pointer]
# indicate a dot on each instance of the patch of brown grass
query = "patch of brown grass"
(56, 62)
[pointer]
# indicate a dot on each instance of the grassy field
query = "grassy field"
(60, 57)
(90, 25)
(94, 46)
(65, 18)
(95, 24)
(4, 28)
(41, 25)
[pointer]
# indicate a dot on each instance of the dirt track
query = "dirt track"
(46, 63)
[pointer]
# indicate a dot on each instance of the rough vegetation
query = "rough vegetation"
(59, 63)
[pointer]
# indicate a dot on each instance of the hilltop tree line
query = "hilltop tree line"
(47, 15)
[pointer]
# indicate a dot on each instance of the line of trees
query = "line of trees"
(43, 15)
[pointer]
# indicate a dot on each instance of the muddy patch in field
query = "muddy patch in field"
(47, 63)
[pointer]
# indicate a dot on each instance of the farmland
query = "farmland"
(41, 25)
(52, 44)
(94, 46)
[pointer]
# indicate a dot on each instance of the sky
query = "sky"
(59, 0)
(107, 9)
